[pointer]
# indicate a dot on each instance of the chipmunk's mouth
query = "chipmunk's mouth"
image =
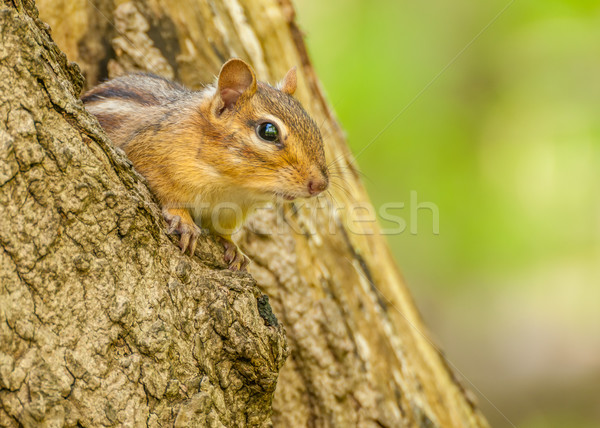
(285, 196)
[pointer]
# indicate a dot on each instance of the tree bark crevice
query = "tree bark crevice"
(104, 322)
(97, 302)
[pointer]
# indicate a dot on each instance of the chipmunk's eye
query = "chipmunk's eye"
(268, 132)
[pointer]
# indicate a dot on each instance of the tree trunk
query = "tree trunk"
(107, 323)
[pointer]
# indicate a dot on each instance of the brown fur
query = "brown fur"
(198, 148)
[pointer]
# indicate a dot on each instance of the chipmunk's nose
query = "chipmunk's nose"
(316, 185)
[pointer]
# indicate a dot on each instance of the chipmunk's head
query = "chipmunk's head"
(271, 145)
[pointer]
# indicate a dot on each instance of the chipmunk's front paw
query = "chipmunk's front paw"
(234, 256)
(181, 222)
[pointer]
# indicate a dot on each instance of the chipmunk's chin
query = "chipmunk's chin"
(285, 196)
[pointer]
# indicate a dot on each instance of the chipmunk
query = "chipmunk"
(211, 155)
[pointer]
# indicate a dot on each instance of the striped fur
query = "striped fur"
(197, 152)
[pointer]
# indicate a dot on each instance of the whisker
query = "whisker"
(344, 190)
(349, 169)
(332, 200)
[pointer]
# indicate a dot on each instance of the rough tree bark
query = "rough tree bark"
(103, 322)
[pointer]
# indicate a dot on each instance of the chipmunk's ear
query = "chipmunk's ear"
(289, 82)
(236, 78)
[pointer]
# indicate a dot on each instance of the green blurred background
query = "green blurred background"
(506, 142)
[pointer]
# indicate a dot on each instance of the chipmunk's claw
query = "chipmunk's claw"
(233, 256)
(173, 221)
(188, 230)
